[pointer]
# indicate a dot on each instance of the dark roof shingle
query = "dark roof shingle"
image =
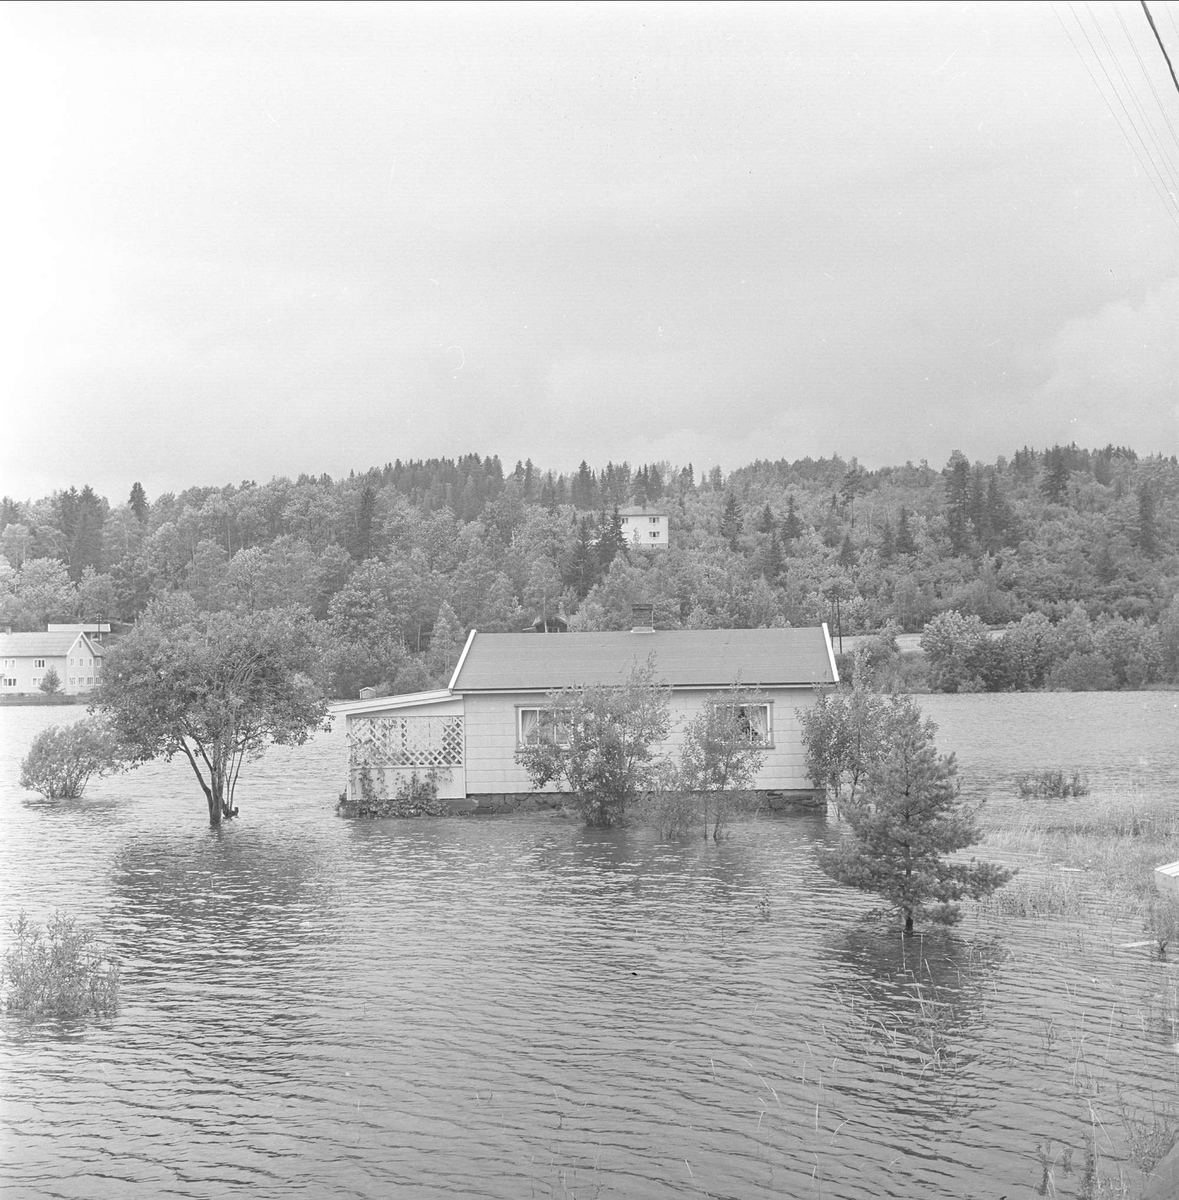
(683, 658)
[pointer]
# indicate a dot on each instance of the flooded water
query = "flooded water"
(515, 1007)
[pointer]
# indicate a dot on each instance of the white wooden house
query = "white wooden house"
(645, 526)
(497, 700)
(25, 658)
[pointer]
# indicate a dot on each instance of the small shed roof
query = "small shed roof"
(382, 703)
(39, 645)
(494, 662)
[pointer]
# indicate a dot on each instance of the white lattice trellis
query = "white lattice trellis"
(407, 741)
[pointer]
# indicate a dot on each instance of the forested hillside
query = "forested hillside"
(399, 562)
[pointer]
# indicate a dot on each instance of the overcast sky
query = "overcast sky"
(256, 240)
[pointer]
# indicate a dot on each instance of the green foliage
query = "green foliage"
(58, 972)
(50, 682)
(414, 796)
(954, 645)
(844, 735)
(720, 757)
(374, 555)
(64, 758)
(905, 822)
(605, 753)
(1050, 785)
(215, 687)
(1162, 921)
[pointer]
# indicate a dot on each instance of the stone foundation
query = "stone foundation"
(500, 803)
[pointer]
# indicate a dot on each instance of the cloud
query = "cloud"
(1114, 374)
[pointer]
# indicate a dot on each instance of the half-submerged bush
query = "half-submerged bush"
(59, 971)
(1050, 785)
(415, 796)
(64, 758)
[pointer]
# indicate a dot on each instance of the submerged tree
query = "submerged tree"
(64, 758)
(598, 741)
(215, 687)
(844, 735)
(906, 821)
(722, 752)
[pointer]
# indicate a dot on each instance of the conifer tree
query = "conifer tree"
(731, 521)
(1147, 531)
(905, 542)
(906, 822)
(791, 526)
(138, 502)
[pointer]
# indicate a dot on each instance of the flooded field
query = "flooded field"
(512, 1007)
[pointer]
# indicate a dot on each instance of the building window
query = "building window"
(542, 727)
(38, 664)
(753, 720)
(652, 520)
(9, 682)
(654, 533)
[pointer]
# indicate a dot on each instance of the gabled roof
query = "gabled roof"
(642, 510)
(38, 645)
(494, 662)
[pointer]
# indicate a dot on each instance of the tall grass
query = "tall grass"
(1086, 857)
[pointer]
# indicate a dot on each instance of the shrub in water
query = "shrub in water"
(64, 758)
(415, 796)
(1050, 785)
(60, 971)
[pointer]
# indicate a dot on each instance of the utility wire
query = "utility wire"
(1155, 181)
(1113, 87)
(1162, 151)
(1154, 30)
(1146, 74)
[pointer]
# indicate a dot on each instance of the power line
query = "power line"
(1154, 176)
(1163, 154)
(1154, 30)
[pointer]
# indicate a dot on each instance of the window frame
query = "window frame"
(768, 705)
(553, 724)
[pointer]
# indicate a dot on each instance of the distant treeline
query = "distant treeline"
(398, 562)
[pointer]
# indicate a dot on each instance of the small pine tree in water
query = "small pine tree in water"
(904, 824)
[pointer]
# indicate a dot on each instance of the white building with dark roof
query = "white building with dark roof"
(469, 732)
(25, 658)
(645, 526)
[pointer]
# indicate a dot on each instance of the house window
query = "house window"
(652, 520)
(9, 682)
(38, 664)
(753, 720)
(542, 727)
(654, 533)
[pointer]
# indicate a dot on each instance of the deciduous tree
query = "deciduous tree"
(216, 688)
(600, 744)
(64, 758)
